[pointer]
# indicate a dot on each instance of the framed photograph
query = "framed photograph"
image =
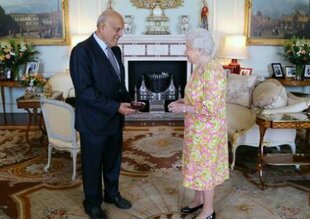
(39, 22)
(32, 67)
(307, 72)
(290, 71)
(277, 70)
(245, 71)
(267, 24)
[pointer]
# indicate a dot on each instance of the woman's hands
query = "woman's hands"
(177, 107)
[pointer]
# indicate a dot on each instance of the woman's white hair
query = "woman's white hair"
(200, 38)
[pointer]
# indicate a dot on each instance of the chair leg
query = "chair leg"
(74, 156)
(233, 150)
(293, 147)
(49, 157)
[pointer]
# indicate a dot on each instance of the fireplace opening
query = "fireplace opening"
(157, 83)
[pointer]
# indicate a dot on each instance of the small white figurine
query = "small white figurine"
(128, 24)
(184, 24)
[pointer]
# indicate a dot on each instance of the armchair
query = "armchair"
(59, 121)
(268, 96)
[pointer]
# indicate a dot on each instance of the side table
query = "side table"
(286, 120)
(294, 83)
(31, 106)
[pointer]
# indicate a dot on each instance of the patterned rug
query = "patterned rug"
(274, 175)
(148, 149)
(151, 179)
(13, 145)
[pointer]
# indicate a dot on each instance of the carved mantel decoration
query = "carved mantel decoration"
(150, 4)
(157, 22)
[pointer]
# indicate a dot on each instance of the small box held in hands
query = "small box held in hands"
(137, 105)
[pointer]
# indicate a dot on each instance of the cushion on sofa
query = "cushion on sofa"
(240, 88)
(269, 94)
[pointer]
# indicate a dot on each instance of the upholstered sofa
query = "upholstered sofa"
(247, 96)
(62, 82)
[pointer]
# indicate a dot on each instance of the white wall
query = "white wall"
(225, 17)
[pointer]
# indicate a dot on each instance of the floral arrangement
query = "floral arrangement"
(13, 53)
(297, 51)
(33, 80)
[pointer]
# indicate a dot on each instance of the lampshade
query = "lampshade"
(75, 39)
(234, 47)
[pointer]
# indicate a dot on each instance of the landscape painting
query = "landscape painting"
(271, 22)
(35, 21)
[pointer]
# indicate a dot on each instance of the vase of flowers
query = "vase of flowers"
(13, 55)
(33, 82)
(297, 51)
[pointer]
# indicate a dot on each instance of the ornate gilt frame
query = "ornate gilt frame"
(63, 40)
(255, 41)
(248, 29)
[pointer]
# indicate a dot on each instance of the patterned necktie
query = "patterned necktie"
(112, 59)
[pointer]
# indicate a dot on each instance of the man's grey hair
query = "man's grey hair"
(104, 16)
(200, 38)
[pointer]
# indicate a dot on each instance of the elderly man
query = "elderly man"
(101, 103)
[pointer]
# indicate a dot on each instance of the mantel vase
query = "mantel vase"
(299, 72)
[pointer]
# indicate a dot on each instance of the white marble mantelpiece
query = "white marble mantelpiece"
(152, 39)
(153, 45)
(153, 48)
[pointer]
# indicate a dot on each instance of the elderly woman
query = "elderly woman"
(205, 152)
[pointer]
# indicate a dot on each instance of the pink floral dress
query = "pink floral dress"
(205, 152)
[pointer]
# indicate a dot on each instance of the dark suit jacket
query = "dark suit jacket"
(98, 90)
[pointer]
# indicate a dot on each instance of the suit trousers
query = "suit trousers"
(101, 158)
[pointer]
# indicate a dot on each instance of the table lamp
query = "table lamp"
(234, 48)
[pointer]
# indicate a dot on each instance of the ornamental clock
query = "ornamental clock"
(157, 23)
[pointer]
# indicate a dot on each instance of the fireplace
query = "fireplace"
(159, 65)
(147, 73)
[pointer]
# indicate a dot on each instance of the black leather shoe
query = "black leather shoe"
(188, 210)
(96, 213)
(211, 216)
(118, 201)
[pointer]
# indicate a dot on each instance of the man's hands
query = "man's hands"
(125, 109)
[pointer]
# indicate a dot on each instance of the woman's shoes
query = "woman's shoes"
(211, 216)
(188, 210)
